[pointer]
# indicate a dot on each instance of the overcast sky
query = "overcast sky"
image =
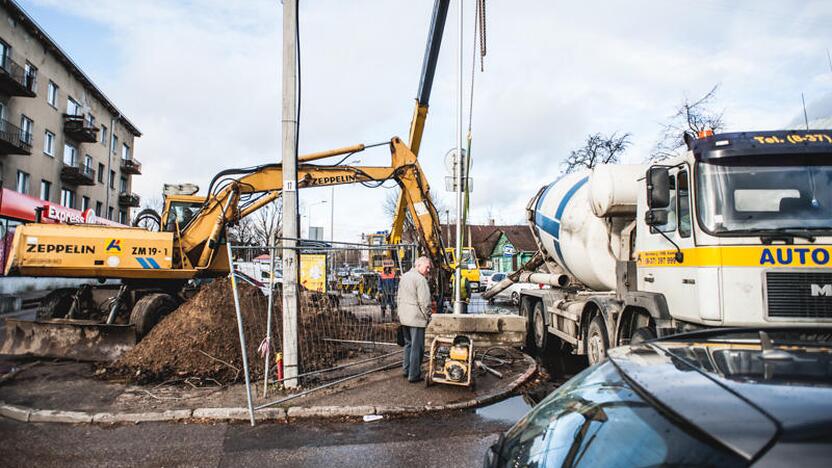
(201, 79)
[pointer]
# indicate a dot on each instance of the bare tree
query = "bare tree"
(598, 149)
(268, 222)
(243, 233)
(691, 116)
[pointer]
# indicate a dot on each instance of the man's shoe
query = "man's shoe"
(417, 380)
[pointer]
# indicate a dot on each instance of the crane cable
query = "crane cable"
(479, 31)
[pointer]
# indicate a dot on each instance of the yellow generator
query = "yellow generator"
(451, 361)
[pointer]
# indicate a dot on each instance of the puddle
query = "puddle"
(509, 410)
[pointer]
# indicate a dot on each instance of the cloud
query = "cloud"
(201, 78)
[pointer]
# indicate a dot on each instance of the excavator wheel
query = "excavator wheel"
(149, 310)
(55, 304)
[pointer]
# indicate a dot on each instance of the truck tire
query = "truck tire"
(596, 340)
(641, 335)
(149, 310)
(538, 328)
(55, 304)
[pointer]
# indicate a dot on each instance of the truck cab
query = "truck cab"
(737, 232)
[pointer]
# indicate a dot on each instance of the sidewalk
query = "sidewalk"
(70, 392)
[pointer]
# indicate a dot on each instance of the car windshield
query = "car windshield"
(498, 276)
(597, 419)
(737, 195)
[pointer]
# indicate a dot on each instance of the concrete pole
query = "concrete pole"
(290, 195)
(459, 166)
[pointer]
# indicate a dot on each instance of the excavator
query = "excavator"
(155, 268)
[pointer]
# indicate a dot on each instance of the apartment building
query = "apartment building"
(62, 141)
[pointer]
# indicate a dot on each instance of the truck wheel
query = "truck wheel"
(541, 334)
(642, 334)
(55, 304)
(596, 341)
(149, 310)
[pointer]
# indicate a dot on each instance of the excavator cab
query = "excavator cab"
(179, 209)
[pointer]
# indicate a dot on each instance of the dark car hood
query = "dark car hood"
(729, 391)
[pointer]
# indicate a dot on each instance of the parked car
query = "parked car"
(711, 398)
(484, 275)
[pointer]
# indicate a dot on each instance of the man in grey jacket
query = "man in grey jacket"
(413, 303)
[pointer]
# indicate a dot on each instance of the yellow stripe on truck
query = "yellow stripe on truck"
(804, 255)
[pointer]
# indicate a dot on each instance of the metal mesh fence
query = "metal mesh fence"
(346, 303)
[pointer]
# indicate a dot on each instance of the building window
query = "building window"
(125, 151)
(104, 135)
(26, 125)
(110, 213)
(90, 120)
(115, 144)
(85, 203)
(52, 94)
(5, 53)
(123, 184)
(45, 188)
(22, 182)
(49, 143)
(112, 179)
(67, 198)
(122, 216)
(99, 207)
(72, 106)
(70, 155)
(100, 173)
(30, 75)
(88, 162)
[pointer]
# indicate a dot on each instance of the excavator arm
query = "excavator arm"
(199, 239)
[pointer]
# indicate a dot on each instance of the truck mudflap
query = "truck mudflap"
(67, 339)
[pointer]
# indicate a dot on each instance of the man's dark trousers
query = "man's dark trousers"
(414, 348)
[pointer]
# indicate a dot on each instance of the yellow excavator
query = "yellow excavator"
(154, 268)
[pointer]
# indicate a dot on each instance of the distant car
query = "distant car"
(494, 278)
(512, 293)
(262, 286)
(484, 275)
(709, 398)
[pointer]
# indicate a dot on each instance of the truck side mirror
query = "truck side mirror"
(655, 217)
(658, 187)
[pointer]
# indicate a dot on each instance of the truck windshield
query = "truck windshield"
(740, 197)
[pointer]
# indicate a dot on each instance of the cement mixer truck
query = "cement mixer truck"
(734, 233)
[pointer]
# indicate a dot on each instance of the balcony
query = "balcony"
(77, 128)
(128, 199)
(14, 81)
(131, 167)
(13, 140)
(78, 174)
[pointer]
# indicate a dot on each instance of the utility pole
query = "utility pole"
(459, 174)
(290, 195)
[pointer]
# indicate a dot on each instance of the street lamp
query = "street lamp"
(332, 206)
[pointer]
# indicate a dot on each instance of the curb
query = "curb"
(31, 415)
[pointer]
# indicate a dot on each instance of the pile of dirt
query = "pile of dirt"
(200, 339)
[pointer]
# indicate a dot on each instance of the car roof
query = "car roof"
(742, 387)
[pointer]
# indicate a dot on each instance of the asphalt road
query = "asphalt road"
(450, 440)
